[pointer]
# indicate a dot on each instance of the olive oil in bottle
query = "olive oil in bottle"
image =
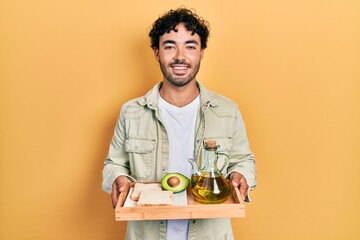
(208, 185)
(211, 189)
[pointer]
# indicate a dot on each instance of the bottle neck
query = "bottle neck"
(210, 160)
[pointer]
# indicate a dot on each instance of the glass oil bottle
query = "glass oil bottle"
(209, 186)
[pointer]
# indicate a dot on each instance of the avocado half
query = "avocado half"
(175, 182)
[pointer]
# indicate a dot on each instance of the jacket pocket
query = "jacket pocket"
(141, 157)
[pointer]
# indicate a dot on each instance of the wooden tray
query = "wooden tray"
(234, 207)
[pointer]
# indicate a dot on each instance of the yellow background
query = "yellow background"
(67, 67)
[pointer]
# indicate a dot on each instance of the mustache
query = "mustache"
(179, 62)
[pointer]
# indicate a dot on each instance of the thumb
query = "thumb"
(235, 178)
(122, 188)
(235, 182)
(121, 183)
(118, 186)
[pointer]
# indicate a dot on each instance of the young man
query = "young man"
(158, 133)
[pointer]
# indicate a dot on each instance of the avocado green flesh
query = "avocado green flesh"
(184, 182)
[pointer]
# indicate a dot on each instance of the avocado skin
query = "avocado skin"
(184, 182)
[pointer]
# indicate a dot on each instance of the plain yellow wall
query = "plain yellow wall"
(67, 67)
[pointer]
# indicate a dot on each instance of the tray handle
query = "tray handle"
(123, 195)
(238, 195)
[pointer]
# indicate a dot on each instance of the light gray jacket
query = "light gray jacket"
(139, 150)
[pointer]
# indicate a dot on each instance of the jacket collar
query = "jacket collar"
(151, 97)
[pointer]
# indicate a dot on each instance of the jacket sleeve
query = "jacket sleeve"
(242, 160)
(117, 161)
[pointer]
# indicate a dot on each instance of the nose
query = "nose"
(180, 55)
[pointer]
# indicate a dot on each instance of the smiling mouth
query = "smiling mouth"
(179, 68)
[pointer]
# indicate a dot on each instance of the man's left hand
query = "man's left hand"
(238, 180)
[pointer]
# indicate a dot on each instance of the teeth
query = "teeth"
(179, 68)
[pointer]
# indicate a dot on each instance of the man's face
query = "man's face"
(179, 55)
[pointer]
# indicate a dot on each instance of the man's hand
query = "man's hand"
(119, 185)
(238, 180)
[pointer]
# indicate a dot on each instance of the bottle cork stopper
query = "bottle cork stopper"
(210, 144)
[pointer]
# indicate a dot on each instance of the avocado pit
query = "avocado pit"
(173, 181)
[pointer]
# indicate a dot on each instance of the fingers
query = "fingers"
(121, 183)
(235, 179)
(114, 194)
(118, 186)
(243, 188)
(238, 180)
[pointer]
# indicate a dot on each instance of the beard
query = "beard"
(179, 80)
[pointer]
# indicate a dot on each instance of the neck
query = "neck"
(179, 96)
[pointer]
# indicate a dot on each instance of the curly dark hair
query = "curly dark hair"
(172, 18)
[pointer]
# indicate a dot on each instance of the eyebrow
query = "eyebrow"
(187, 42)
(192, 41)
(168, 42)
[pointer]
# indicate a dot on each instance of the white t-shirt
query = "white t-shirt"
(180, 127)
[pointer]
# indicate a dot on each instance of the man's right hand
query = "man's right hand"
(119, 185)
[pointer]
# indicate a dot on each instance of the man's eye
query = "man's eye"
(169, 47)
(191, 47)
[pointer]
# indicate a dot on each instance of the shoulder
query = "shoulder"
(221, 99)
(147, 100)
(222, 105)
(132, 103)
(132, 108)
(215, 99)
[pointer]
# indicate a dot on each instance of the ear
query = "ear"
(156, 54)
(202, 53)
